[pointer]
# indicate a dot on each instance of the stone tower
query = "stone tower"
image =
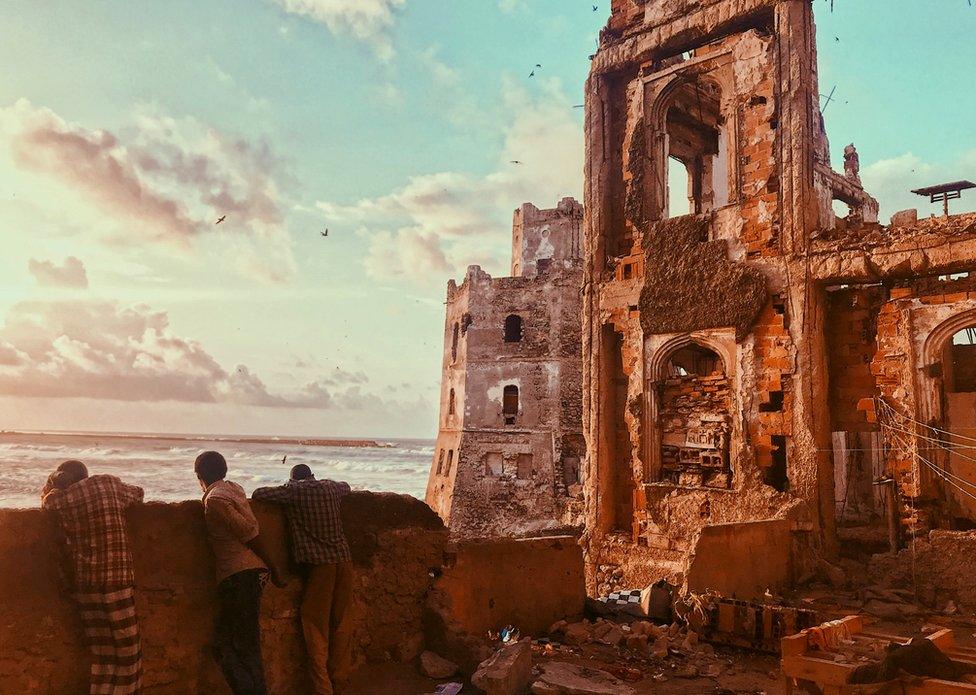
(708, 182)
(510, 440)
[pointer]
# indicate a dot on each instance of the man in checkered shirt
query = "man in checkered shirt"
(319, 546)
(91, 511)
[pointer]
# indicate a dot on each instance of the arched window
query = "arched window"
(697, 156)
(959, 362)
(454, 342)
(510, 404)
(451, 403)
(513, 328)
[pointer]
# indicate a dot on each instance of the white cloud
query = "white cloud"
(71, 273)
(107, 351)
(167, 178)
(892, 180)
(442, 222)
(369, 21)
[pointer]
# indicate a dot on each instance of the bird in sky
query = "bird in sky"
(220, 219)
(515, 161)
(579, 106)
(325, 233)
(596, 7)
(283, 459)
(532, 74)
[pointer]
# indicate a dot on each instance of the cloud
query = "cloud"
(441, 222)
(891, 181)
(168, 178)
(70, 274)
(106, 351)
(369, 21)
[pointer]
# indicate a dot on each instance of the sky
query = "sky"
(128, 128)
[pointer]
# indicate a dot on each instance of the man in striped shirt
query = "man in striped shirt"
(91, 514)
(319, 546)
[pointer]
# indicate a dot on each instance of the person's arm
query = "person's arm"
(51, 495)
(130, 494)
(280, 494)
(245, 528)
(341, 488)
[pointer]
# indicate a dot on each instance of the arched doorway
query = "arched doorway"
(958, 401)
(693, 418)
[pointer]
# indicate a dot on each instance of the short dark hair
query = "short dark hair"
(301, 472)
(69, 473)
(210, 467)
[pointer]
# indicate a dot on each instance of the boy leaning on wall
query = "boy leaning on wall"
(91, 512)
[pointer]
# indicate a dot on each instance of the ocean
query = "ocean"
(163, 464)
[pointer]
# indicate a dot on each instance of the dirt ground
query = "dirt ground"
(702, 670)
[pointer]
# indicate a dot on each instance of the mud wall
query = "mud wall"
(529, 584)
(396, 542)
(741, 560)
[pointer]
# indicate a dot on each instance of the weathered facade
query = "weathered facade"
(510, 442)
(734, 349)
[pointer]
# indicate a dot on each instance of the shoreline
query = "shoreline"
(334, 442)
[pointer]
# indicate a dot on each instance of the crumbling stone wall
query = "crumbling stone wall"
(732, 279)
(396, 540)
(515, 457)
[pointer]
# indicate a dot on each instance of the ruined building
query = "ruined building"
(752, 357)
(510, 442)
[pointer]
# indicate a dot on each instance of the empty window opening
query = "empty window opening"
(510, 404)
(524, 466)
(451, 403)
(440, 461)
(697, 150)
(513, 328)
(694, 419)
(454, 342)
(494, 464)
(628, 271)
(571, 466)
(542, 266)
(959, 362)
(775, 474)
(450, 462)
(774, 404)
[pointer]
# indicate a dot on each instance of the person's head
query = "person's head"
(210, 467)
(301, 472)
(69, 473)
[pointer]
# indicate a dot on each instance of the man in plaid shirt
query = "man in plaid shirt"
(319, 546)
(91, 513)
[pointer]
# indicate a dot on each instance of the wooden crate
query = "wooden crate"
(803, 665)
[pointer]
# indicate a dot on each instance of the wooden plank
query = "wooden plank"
(821, 671)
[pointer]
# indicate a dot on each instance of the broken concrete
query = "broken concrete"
(506, 672)
(558, 678)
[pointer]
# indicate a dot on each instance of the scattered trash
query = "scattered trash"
(448, 689)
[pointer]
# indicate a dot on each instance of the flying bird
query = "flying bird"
(220, 219)
(532, 74)
(283, 459)
(596, 7)
(325, 233)
(515, 161)
(579, 106)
